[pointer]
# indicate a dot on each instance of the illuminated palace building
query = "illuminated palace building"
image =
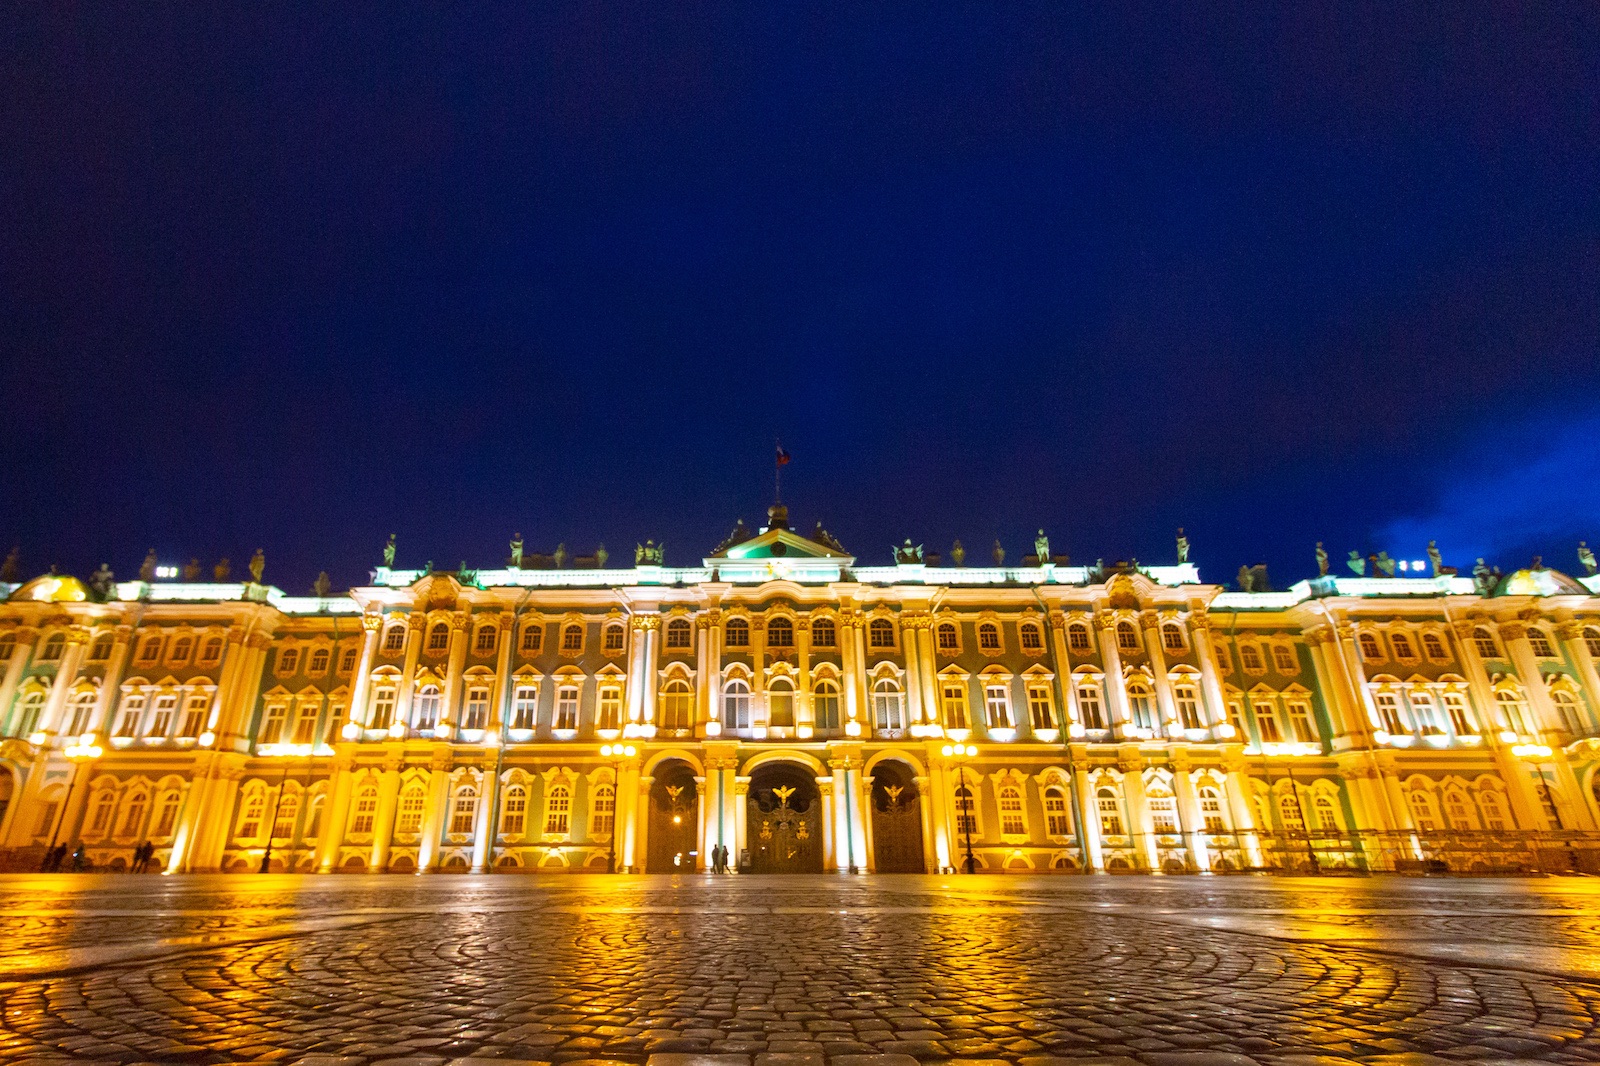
(807, 714)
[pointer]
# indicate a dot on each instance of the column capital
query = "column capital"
(460, 620)
(1569, 630)
(372, 621)
(1513, 630)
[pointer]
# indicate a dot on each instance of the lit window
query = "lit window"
(524, 706)
(382, 707)
(255, 808)
(679, 634)
(438, 638)
(997, 705)
(966, 815)
(394, 639)
(1011, 822)
(825, 705)
(1211, 809)
(1283, 659)
(1163, 811)
(487, 635)
(319, 661)
(1494, 815)
(1030, 637)
(1434, 648)
(1371, 651)
(736, 634)
(948, 637)
(1078, 637)
(288, 810)
(1250, 659)
(476, 715)
(1090, 707)
(566, 708)
(1422, 810)
(533, 637)
(466, 809)
(413, 802)
(989, 637)
(823, 633)
(366, 807)
(610, 708)
(1402, 646)
(677, 705)
(888, 707)
(1188, 701)
(572, 637)
(515, 812)
(1389, 712)
(614, 637)
(780, 633)
(1110, 812)
(1172, 637)
(1127, 637)
(602, 811)
(1327, 820)
(736, 704)
(1039, 710)
(780, 703)
(558, 811)
(1056, 821)
(880, 633)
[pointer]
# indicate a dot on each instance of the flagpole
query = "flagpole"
(777, 471)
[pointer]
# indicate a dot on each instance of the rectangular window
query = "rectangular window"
(1090, 708)
(166, 710)
(477, 711)
(516, 812)
(1164, 814)
(1172, 638)
(132, 712)
(483, 642)
(566, 708)
(572, 638)
(272, 727)
(1110, 815)
(997, 704)
(1422, 711)
(533, 637)
(523, 707)
(382, 708)
(335, 731)
(465, 809)
(602, 811)
(1250, 658)
(1188, 706)
(1078, 638)
(1236, 719)
(347, 661)
(613, 638)
(610, 708)
(954, 699)
(194, 716)
(1039, 709)
(1455, 705)
(1283, 658)
(558, 812)
(1056, 822)
(1305, 730)
(1011, 823)
(1267, 722)
(1388, 705)
(305, 724)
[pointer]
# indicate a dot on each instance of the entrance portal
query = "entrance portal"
(674, 820)
(896, 820)
(784, 821)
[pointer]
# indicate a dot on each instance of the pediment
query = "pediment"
(779, 544)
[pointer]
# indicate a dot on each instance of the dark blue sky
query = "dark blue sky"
(298, 280)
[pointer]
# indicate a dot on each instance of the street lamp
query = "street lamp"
(83, 750)
(958, 752)
(618, 754)
(289, 751)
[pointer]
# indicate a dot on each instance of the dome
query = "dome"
(52, 588)
(1541, 582)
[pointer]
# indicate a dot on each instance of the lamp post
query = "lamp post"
(289, 752)
(83, 750)
(1305, 822)
(617, 754)
(959, 752)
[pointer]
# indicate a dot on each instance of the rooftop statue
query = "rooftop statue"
(958, 554)
(648, 554)
(1586, 557)
(515, 562)
(907, 553)
(1183, 546)
(258, 565)
(1385, 564)
(147, 569)
(103, 583)
(999, 554)
(321, 585)
(388, 552)
(1357, 564)
(823, 537)
(1322, 560)
(600, 557)
(560, 555)
(9, 570)
(1247, 580)
(1482, 578)
(222, 570)
(191, 570)
(1435, 558)
(1041, 547)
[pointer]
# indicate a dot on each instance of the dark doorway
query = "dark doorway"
(674, 820)
(896, 820)
(784, 821)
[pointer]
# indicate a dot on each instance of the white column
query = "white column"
(1244, 819)
(1170, 726)
(1116, 687)
(1089, 812)
(110, 684)
(408, 678)
(1193, 822)
(21, 653)
(1210, 676)
(383, 817)
(66, 676)
(1571, 634)
(371, 628)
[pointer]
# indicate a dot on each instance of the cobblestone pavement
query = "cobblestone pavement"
(788, 972)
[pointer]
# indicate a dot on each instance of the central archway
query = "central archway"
(896, 820)
(674, 820)
(783, 820)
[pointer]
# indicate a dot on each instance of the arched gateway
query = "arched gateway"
(674, 820)
(896, 820)
(784, 820)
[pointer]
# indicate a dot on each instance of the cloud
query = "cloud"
(1536, 491)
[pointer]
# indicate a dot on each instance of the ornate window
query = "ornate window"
(1457, 810)
(99, 652)
(305, 724)
(880, 633)
(83, 713)
(382, 707)
(1567, 708)
(1056, 821)
(1211, 809)
(1142, 706)
(948, 636)
(602, 811)
(780, 702)
(413, 802)
(1483, 640)
(677, 705)
(1089, 705)
(288, 811)
(1540, 642)
(347, 662)
(167, 819)
(1591, 640)
(736, 704)
(825, 705)
(255, 809)
(824, 634)
(679, 634)
(1250, 659)
(166, 709)
(997, 705)
(1172, 636)
(1283, 659)
(953, 699)
(1030, 637)
(133, 817)
(780, 633)
(1236, 719)
(1402, 646)
(149, 652)
(1300, 720)
(335, 731)
(736, 634)
(394, 639)
(566, 716)
(1371, 650)
(127, 725)
(558, 811)
(1011, 823)
(271, 727)
(1327, 819)
(211, 651)
(888, 704)
(613, 637)
(319, 661)
(610, 707)
(989, 637)
(966, 815)
(105, 806)
(572, 637)
(1110, 809)
(366, 807)
(1455, 705)
(1423, 811)
(427, 713)
(514, 817)
(484, 642)
(1188, 700)
(532, 637)
(524, 706)
(182, 648)
(476, 714)
(288, 662)
(466, 809)
(1267, 719)
(1127, 636)
(56, 643)
(1494, 815)
(1434, 648)
(1163, 811)
(1388, 704)
(1423, 712)
(1512, 710)
(438, 638)
(1039, 709)
(1078, 637)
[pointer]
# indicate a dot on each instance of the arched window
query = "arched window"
(1142, 706)
(1483, 640)
(1567, 708)
(532, 637)
(1056, 821)
(1457, 811)
(1283, 659)
(366, 806)
(1211, 809)
(1591, 640)
(1011, 822)
(613, 637)
(1250, 659)
(1494, 813)
(602, 811)
(486, 638)
(211, 651)
(1090, 708)
(151, 650)
(1371, 650)
(394, 639)
(465, 810)
(382, 707)
(825, 705)
(823, 633)
(514, 816)
(438, 637)
(427, 715)
(736, 634)
(288, 662)
(880, 633)
(255, 809)
(610, 707)
(182, 648)
(167, 817)
(679, 635)
(966, 815)
(287, 813)
(1127, 637)
(56, 643)
(736, 704)
(105, 806)
(1187, 698)
(1327, 819)
(572, 637)
(1539, 640)
(1030, 636)
(780, 633)
(319, 660)
(989, 637)
(413, 802)
(82, 713)
(888, 708)
(475, 714)
(1163, 810)
(558, 811)
(1289, 810)
(677, 705)
(133, 817)
(1433, 647)
(99, 652)
(1422, 810)
(1078, 637)
(1513, 712)
(997, 704)
(1172, 636)
(1402, 646)
(949, 637)
(780, 702)
(347, 661)
(1110, 809)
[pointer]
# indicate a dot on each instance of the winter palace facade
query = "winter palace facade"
(805, 714)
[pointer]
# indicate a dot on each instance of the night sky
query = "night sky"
(295, 281)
